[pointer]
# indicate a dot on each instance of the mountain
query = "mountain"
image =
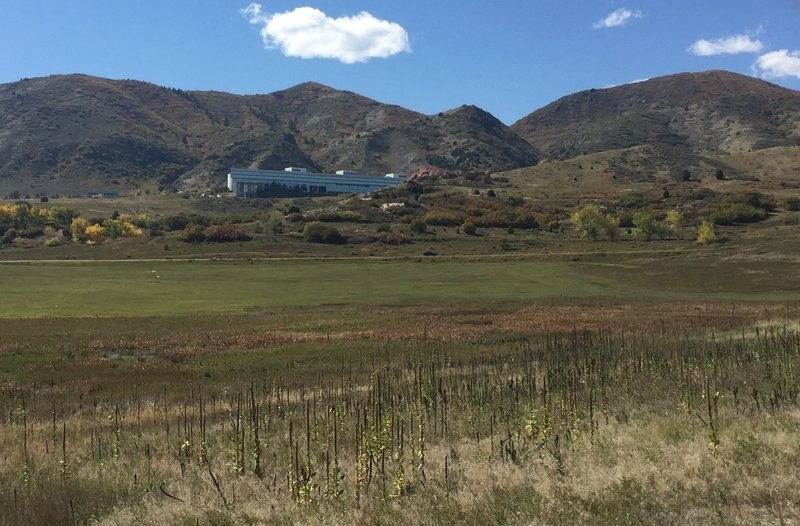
(75, 132)
(710, 113)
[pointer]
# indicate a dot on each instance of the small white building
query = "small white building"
(298, 181)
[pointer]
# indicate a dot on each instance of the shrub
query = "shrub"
(54, 242)
(32, 232)
(469, 227)
(793, 204)
(393, 238)
(317, 232)
(181, 221)
(418, 226)
(193, 233)
(525, 220)
(8, 237)
(116, 228)
(78, 227)
(225, 234)
(94, 234)
(295, 217)
(62, 217)
(443, 218)
(341, 217)
(738, 213)
(759, 200)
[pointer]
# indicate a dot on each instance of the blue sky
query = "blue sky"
(509, 57)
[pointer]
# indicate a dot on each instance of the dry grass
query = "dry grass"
(525, 421)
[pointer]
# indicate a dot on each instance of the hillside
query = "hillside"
(707, 113)
(75, 132)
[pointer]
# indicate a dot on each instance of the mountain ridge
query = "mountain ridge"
(74, 132)
(79, 131)
(710, 112)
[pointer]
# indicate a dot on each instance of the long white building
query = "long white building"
(295, 181)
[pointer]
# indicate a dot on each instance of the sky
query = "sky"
(509, 57)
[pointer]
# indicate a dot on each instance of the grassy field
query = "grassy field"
(179, 287)
(638, 387)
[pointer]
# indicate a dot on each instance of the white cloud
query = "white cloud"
(620, 17)
(732, 45)
(307, 32)
(777, 64)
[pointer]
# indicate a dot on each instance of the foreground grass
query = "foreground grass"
(636, 425)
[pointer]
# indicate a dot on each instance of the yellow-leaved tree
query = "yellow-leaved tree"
(674, 222)
(706, 232)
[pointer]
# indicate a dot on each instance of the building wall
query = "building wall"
(247, 183)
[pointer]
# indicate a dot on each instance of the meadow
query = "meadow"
(627, 389)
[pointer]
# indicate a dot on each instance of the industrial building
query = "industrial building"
(298, 181)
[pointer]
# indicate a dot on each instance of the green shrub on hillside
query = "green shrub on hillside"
(341, 217)
(317, 232)
(733, 213)
(443, 218)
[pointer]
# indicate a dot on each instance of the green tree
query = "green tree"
(647, 226)
(591, 222)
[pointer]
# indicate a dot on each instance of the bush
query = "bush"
(393, 238)
(31, 232)
(193, 234)
(181, 221)
(760, 201)
(225, 234)
(418, 226)
(738, 213)
(54, 242)
(793, 204)
(469, 227)
(317, 232)
(295, 217)
(8, 237)
(443, 218)
(341, 217)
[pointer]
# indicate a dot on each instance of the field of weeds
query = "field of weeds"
(551, 410)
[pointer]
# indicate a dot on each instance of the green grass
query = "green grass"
(177, 288)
